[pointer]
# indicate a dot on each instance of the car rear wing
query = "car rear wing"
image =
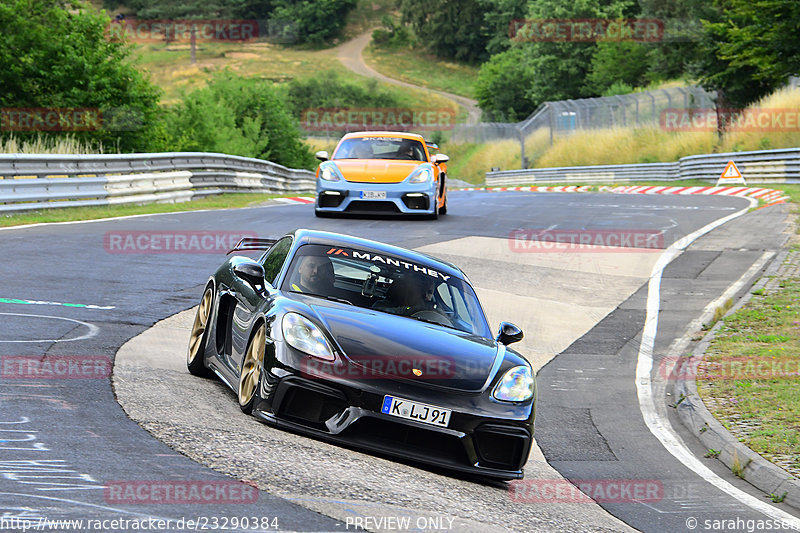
(432, 145)
(249, 244)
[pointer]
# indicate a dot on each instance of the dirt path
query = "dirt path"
(350, 54)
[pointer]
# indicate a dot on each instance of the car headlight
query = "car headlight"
(421, 175)
(516, 386)
(328, 173)
(305, 336)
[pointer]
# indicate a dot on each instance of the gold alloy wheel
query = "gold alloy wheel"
(251, 368)
(199, 326)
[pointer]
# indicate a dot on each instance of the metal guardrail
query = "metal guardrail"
(768, 166)
(56, 180)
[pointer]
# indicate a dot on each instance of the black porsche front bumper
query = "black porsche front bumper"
(483, 437)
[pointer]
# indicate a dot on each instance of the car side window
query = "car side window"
(275, 258)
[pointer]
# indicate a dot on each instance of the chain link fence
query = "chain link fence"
(566, 116)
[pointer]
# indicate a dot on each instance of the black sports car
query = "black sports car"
(369, 345)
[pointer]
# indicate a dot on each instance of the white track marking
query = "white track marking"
(84, 504)
(93, 330)
(660, 427)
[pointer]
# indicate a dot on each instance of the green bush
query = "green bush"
(238, 116)
(329, 90)
(618, 87)
(392, 34)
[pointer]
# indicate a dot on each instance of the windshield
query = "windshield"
(380, 148)
(388, 284)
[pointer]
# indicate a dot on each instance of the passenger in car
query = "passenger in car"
(408, 295)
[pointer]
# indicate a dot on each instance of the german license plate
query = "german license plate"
(428, 414)
(373, 195)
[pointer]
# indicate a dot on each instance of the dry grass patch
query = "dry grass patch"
(616, 146)
(783, 104)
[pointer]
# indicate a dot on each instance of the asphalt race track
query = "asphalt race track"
(76, 294)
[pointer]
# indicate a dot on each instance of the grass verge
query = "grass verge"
(764, 333)
(420, 68)
(749, 378)
(72, 214)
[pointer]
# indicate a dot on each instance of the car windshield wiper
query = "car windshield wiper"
(327, 297)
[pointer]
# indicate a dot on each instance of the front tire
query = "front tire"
(250, 374)
(195, 356)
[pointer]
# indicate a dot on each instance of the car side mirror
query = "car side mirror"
(440, 158)
(322, 155)
(251, 272)
(509, 333)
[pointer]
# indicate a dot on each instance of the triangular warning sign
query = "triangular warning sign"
(730, 175)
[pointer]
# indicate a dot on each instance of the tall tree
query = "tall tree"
(556, 65)
(453, 29)
(563, 65)
(624, 62)
(318, 21)
(672, 55)
(499, 16)
(54, 54)
(502, 86)
(752, 51)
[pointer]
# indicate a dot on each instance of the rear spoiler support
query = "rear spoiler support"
(249, 244)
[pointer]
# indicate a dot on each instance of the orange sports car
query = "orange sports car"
(382, 172)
